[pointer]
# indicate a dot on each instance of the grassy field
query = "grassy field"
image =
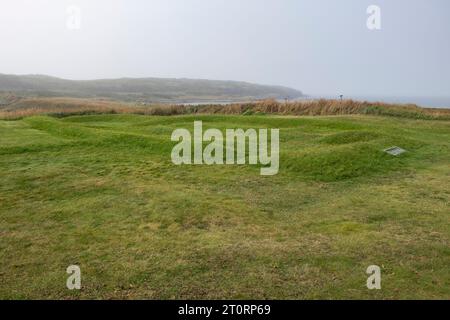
(101, 192)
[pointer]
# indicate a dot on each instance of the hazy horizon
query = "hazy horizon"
(319, 47)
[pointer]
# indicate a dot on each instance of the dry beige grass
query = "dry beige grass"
(61, 107)
(327, 107)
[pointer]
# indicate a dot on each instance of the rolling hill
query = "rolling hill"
(146, 90)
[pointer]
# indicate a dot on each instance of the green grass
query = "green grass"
(101, 192)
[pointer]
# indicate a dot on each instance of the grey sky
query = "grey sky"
(317, 46)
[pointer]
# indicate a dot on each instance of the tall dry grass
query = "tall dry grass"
(63, 107)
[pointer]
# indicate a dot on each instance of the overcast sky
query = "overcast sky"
(317, 46)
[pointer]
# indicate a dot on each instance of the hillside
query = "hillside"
(146, 90)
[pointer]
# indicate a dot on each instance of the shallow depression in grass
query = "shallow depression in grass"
(102, 192)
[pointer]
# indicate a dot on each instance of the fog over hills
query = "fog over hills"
(143, 89)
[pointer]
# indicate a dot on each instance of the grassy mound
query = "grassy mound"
(100, 191)
(350, 137)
